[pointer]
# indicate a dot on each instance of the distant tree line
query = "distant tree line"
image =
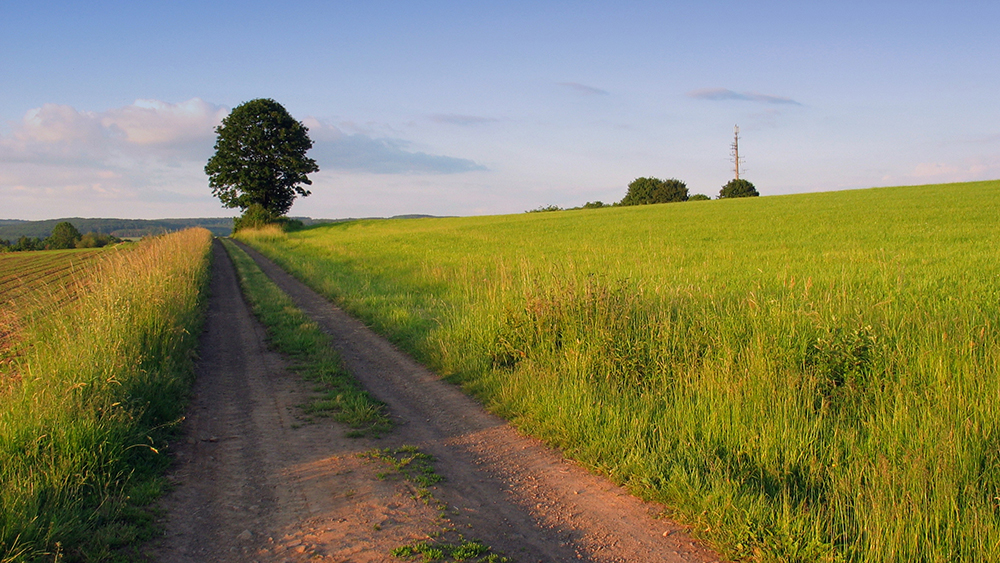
(64, 235)
(645, 191)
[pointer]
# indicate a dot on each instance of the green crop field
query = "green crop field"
(24, 273)
(809, 377)
(90, 391)
(34, 282)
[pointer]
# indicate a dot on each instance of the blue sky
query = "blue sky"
(461, 108)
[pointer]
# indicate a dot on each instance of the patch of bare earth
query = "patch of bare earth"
(255, 482)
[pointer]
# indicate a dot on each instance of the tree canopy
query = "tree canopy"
(260, 158)
(738, 188)
(644, 191)
(64, 235)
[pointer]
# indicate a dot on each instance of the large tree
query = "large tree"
(260, 158)
(64, 235)
(643, 191)
(738, 188)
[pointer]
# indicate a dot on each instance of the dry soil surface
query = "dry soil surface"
(257, 481)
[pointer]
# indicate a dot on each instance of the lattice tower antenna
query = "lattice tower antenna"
(736, 150)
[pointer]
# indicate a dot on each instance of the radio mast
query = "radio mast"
(736, 150)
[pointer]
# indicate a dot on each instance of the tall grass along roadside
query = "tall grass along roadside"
(800, 378)
(338, 394)
(102, 378)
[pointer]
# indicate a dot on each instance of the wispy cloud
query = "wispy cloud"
(332, 148)
(57, 159)
(720, 94)
(148, 158)
(966, 170)
(458, 119)
(584, 89)
(54, 134)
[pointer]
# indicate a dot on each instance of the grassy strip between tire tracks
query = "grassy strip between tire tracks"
(100, 383)
(292, 333)
(802, 378)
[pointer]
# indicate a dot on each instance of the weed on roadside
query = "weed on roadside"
(407, 462)
(413, 466)
(440, 549)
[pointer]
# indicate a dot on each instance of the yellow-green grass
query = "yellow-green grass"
(102, 380)
(338, 394)
(809, 377)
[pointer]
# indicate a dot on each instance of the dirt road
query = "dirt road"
(255, 482)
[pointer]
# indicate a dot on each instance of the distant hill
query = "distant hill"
(12, 229)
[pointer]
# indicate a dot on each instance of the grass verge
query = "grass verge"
(101, 381)
(313, 357)
(801, 378)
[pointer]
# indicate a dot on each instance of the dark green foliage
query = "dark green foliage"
(255, 217)
(544, 208)
(699, 197)
(96, 240)
(595, 205)
(28, 243)
(738, 188)
(64, 240)
(260, 158)
(841, 361)
(64, 235)
(643, 191)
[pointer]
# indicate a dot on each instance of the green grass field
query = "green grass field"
(808, 377)
(90, 393)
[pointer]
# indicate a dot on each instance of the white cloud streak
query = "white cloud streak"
(722, 94)
(458, 119)
(584, 89)
(334, 149)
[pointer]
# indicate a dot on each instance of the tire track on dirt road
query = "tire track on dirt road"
(255, 482)
(510, 491)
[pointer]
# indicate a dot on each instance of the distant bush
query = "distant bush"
(595, 205)
(738, 188)
(543, 209)
(96, 240)
(699, 197)
(288, 224)
(255, 217)
(28, 243)
(64, 235)
(643, 191)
